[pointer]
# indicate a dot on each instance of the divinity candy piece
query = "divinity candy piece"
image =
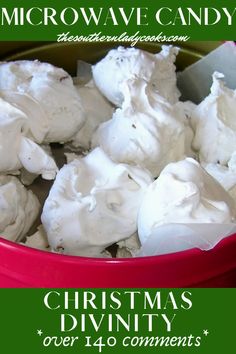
(184, 193)
(128, 247)
(50, 87)
(38, 240)
(97, 110)
(36, 160)
(36, 120)
(13, 123)
(16, 150)
(122, 64)
(225, 175)
(19, 208)
(147, 130)
(92, 204)
(215, 121)
(44, 165)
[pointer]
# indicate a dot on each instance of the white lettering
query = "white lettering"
(49, 14)
(192, 13)
(111, 17)
(46, 300)
(229, 16)
(92, 16)
(158, 16)
(72, 319)
(168, 322)
(9, 19)
(214, 11)
(29, 14)
(142, 16)
(74, 14)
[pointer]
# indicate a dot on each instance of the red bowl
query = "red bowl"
(22, 266)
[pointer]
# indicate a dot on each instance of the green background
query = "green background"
(23, 313)
(22, 310)
(219, 31)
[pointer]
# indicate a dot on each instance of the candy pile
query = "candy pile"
(140, 159)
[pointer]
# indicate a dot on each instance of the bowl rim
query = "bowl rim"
(26, 250)
(197, 53)
(192, 253)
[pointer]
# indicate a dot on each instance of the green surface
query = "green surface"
(23, 313)
(46, 20)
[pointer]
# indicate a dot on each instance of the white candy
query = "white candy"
(18, 208)
(128, 247)
(12, 123)
(53, 89)
(222, 174)
(122, 64)
(188, 107)
(97, 110)
(36, 160)
(17, 151)
(93, 203)
(184, 193)
(38, 240)
(225, 175)
(36, 121)
(215, 120)
(147, 130)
